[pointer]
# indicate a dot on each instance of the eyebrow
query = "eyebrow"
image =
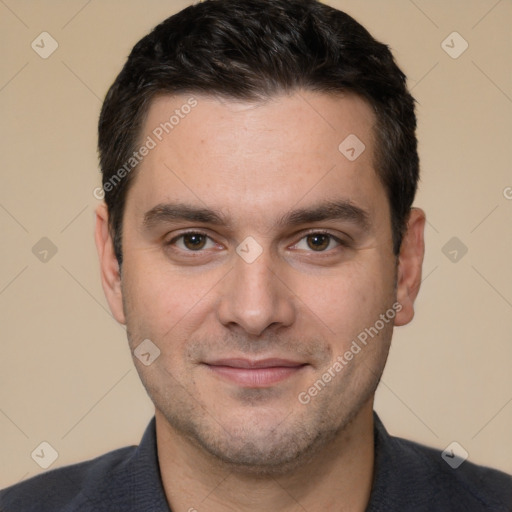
(343, 210)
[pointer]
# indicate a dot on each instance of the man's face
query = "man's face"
(249, 293)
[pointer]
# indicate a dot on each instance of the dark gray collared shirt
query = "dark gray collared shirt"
(407, 477)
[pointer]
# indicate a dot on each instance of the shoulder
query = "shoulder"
(412, 476)
(467, 486)
(66, 486)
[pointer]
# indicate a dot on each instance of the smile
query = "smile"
(255, 374)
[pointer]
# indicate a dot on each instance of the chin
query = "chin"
(264, 448)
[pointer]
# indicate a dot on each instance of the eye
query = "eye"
(318, 242)
(192, 241)
(195, 241)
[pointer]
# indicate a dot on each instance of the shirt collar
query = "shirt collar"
(137, 483)
(142, 487)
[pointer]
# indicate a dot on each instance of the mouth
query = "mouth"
(251, 373)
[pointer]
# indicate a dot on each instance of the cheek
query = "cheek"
(350, 299)
(162, 304)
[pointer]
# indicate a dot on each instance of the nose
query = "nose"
(255, 297)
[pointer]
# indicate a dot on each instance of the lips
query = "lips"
(255, 373)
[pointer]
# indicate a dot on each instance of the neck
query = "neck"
(338, 477)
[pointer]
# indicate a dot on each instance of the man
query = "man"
(258, 241)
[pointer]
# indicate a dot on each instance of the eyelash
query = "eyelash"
(340, 242)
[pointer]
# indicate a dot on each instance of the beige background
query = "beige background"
(66, 376)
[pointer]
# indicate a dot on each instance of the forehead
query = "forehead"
(257, 156)
(303, 122)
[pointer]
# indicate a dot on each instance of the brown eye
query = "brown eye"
(318, 241)
(194, 241)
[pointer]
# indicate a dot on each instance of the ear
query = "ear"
(410, 261)
(109, 267)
